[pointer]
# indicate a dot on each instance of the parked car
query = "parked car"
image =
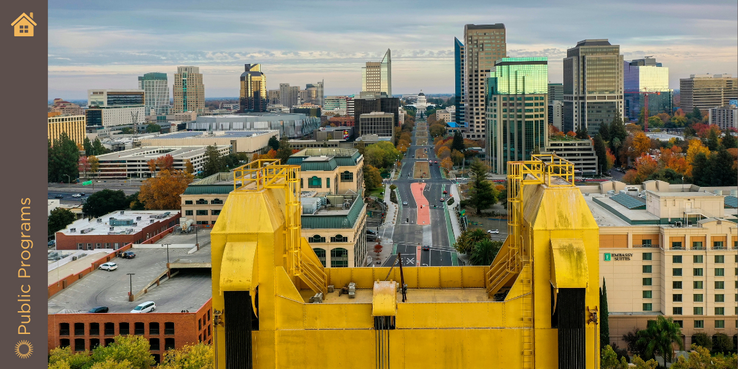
(426, 248)
(59, 196)
(369, 231)
(52, 243)
(128, 255)
(144, 307)
(493, 231)
(109, 266)
(99, 309)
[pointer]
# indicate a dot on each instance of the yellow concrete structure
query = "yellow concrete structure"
(536, 306)
(73, 126)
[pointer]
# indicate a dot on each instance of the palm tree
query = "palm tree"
(660, 337)
(484, 252)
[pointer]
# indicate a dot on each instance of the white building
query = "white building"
(725, 117)
(580, 152)
(133, 163)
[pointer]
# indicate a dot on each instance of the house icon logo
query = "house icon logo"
(23, 26)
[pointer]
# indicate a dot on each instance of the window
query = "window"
(699, 324)
(676, 245)
(79, 329)
(328, 183)
(168, 328)
(188, 202)
(347, 176)
(719, 259)
(720, 272)
(697, 259)
(697, 285)
(154, 344)
(647, 281)
(63, 329)
(697, 245)
(339, 238)
(339, 258)
(677, 272)
(677, 285)
(316, 238)
(94, 329)
(718, 245)
(681, 323)
(719, 324)
(321, 255)
(109, 329)
(214, 212)
(646, 243)
(138, 328)
(719, 285)
(315, 182)
(647, 256)
(647, 294)
(168, 343)
(647, 307)
(124, 329)
(202, 212)
(676, 259)
(647, 269)
(719, 298)
(697, 310)
(719, 311)
(64, 342)
(676, 310)
(153, 328)
(79, 344)
(677, 297)
(216, 202)
(202, 202)
(188, 212)
(697, 272)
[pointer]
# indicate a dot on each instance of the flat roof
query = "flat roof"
(683, 194)
(101, 226)
(213, 134)
(604, 217)
(153, 152)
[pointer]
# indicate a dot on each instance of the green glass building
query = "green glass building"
(517, 110)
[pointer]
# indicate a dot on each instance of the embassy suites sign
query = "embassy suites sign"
(618, 257)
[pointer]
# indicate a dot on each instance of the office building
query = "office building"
(451, 109)
(112, 108)
(156, 93)
(253, 97)
(377, 123)
(707, 91)
(73, 125)
(555, 92)
(581, 153)
(62, 107)
(133, 163)
(459, 80)
(443, 114)
(289, 96)
(516, 111)
(646, 75)
(288, 124)
(313, 94)
(483, 46)
(377, 76)
(248, 142)
(593, 85)
(725, 117)
(189, 90)
(377, 104)
(272, 97)
(668, 250)
(555, 104)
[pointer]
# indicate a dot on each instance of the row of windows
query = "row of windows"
(203, 212)
(697, 245)
(339, 257)
(81, 345)
(697, 297)
(205, 202)
(336, 238)
(109, 328)
(719, 285)
(719, 259)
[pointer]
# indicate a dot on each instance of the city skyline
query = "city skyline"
(112, 46)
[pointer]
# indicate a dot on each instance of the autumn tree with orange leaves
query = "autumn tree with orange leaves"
(645, 166)
(163, 191)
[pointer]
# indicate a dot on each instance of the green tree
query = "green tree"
(126, 130)
(372, 177)
(62, 358)
(484, 252)
(98, 148)
(273, 143)
(702, 340)
(458, 142)
(197, 356)
(134, 203)
(582, 133)
(604, 317)
(59, 219)
(700, 358)
(655, 122)
(604, 131)
(618, 134)
(104, 202)
(87, 146)
(722, 344)
(467, 239)
(660, 337)
(701, 170)
(713, 141)
(609, 359)
(63, 157)
(381, 154)
(134, 349)
(640, 364)
(213, 163)
(285, 150)
(720, 164)
(696, 114)
(601, 151)
(481, 194)
(153, 128)
(729, 141)
(437, 130)
(112, 364)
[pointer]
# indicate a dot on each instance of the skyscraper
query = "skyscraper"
(156, 93)
(646, 75)
(593, 85)
(516, 110)
(253, 96)
(361, 106)
(555, 103)
(314, 93)
(707, 91)
(377, 76)
(483, 45)
(287, 95)
(459, 90)
(189, 90)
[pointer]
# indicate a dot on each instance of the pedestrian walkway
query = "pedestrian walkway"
(386, 230)
(452, 211)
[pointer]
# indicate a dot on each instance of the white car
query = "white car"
(76, 195)
(144, 307)
(109, 267)
(493, 231)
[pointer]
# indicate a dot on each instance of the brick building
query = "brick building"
(115, 230)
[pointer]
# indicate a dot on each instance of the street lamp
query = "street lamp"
(130, 286)
(69, 179)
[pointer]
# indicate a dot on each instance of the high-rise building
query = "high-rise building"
(109, 108)
(593, 85)
(294, 96)
(646, 75)
(707, 91)
(460, 90)
(377, 76)
(555, 103)
(285, 95)
(516, 111)
(377, 123)
(73, 125)
(189, 90)
(555, 92)
(483, 46)
(62, 107)
(725, 117)
(361, 106)
(253, 97)
(314, 93)
(156, 93)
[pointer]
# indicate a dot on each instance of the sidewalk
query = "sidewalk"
(386, 230)
(452, 211)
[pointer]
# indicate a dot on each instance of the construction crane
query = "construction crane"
(536, 306)
(645, 104)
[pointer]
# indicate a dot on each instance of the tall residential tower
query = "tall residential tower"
(459, 91)
(377, 76)
(253, 96)
(593, 85)
(156, 93)
(189, 90)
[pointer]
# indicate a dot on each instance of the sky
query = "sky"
(108, 44)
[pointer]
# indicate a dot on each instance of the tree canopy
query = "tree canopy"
(63, 159)
(163, 191)
(59, 219)
(104, 202)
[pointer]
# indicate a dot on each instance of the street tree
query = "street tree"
(458, 142)
(98, 148)
(372, 177)
(87, 146)
(134, 203)
(104, 202)
(467, 239)
(285, 151)
(485, 251)
(163, 191)
(447, 164)
(273, 143)
(604, 132)
(457, 157)
(482, 194)
(213, 162)
(59, 219)
(192, 356)
(659, 337)
(189, 168)
(601, 151)
(134, 349)
(153, 128)
(63, 159)
(94, 164)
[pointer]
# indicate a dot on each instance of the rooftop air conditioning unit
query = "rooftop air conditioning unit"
(112, 229)
(138, 218)
(151, 221)
(72, 229)
(122, 212)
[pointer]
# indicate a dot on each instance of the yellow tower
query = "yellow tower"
(536, 306)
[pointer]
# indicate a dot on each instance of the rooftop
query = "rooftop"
(123, 222)
(152, 152)
(216, 134)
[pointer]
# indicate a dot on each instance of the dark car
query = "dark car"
(426, 248)
(99, 309)
(128, 255)
(59, 196)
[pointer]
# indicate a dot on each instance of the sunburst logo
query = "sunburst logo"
(24, 353)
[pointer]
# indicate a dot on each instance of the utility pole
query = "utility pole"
(130, 286)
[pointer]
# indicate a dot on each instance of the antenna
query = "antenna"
(134, 116)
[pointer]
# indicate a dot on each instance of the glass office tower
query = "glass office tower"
(253, 89)
(646, 75)
(459, 86)
(517, 94)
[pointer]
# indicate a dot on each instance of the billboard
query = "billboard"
(733, 104)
